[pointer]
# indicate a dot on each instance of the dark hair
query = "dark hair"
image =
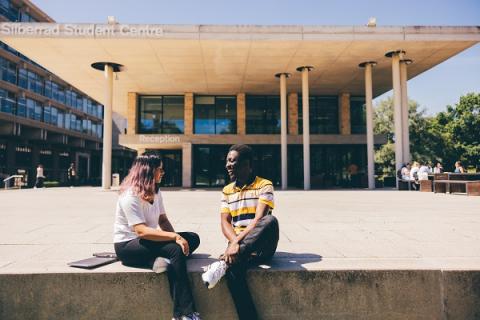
(245, 152)
(141, 177)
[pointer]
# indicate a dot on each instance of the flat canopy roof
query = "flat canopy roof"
(207, 59)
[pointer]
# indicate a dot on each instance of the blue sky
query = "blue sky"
(434, 89)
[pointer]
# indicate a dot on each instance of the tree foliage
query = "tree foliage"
(449, 136)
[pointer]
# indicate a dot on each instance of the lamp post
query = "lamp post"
(108, 68)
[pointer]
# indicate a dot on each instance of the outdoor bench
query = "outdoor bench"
(472, 188)
(406, 185)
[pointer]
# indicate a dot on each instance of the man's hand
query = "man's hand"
(231, 252)
(183, 244)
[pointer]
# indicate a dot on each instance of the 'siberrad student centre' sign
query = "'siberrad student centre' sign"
(80, 30)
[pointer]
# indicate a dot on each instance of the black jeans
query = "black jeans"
(262, 242)
(142, 253)
(39, 182)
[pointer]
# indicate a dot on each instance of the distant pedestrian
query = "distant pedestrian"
(40, 177)
(438, 168)
(459, 167)
(71, 175)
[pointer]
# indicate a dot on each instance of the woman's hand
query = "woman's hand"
(231, 252)
(183, 244)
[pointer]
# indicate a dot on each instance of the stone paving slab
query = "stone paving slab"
(41, 230)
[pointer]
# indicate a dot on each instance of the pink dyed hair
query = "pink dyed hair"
(141, 177)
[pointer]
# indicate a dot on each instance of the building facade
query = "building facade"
(300, 95)
(44, 119)
(193, 133)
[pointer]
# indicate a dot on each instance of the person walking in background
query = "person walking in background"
(71, 175)
(248, 225)
(459, 167)
(438, 168)
(40, 177)
(144, 236)
(352, 170)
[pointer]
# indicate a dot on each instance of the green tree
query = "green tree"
(459, 127)
(449, 136)
(423, 142)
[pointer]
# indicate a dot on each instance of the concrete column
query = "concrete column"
(107, 129)
(241, 114)
(57, 175)
(132, 112)
(283, 116)
(188, 113)
(344, 114)
(368, 101)
(187, 165)
(397, 98)
(405, 117)
(306, 126)
(293, 114)
(11, 153)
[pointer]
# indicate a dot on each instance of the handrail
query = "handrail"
(6, 181)
(14, 176)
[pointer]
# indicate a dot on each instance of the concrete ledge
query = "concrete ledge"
(354, 294)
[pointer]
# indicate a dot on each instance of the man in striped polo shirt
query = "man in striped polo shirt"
(248, 225)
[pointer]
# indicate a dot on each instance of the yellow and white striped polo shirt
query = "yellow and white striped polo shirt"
(241, 203)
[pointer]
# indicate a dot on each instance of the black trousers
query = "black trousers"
(142, 253)
(258, 246)
(39, 182)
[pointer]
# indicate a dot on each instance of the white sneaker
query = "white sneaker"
(160, 265)
(214, 273)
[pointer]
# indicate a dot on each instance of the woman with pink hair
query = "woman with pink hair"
(144, 237)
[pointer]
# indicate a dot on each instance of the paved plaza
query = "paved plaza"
(41, 230)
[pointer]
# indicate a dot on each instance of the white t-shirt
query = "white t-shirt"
(132, 210)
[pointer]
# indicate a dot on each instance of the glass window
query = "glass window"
(161, 114)
(9, 10)
(323, 115)
(73, 122)
(173, 114)
(215, 115)
(30, 109)
(22, 107)
(25, 17)
(38, 111)
(23, 78)
(358, 121)
(48, 88)
(7, 103)
(8, 71)
(68, 98)
(263, 115)
(60, 119)
(79, 104)
(47, 114)
(204, 115)
(54, 116)
(67, 121)
(99, 131)
(209, 166)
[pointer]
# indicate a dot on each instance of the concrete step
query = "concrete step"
(305, 294)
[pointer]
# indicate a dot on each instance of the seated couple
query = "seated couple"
(144, 236)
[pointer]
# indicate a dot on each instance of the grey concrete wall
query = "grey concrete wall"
(424, 294)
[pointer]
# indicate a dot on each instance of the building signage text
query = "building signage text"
(80, 30)
(159, 139)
